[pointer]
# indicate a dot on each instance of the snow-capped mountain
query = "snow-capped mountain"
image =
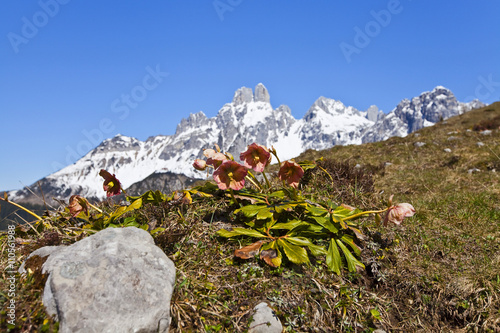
(248, 118)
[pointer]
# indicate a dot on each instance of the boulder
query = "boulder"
(116, 280)
(264, 320)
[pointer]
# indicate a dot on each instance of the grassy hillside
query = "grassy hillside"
(436, 272)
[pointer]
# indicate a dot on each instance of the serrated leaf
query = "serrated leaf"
(294, 253)
(352, 262)
(333, 259)
(240, 231)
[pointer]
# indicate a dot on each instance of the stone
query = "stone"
(447, 150)
(264, 320)
(480, 144)
(486, 132)
(116, 280)
(419, 144)
(42, 253)
(470, 171)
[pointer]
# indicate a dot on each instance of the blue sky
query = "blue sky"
(75, 72)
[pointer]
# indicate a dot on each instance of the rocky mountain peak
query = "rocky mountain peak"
(242, 96)
(194, 120)
(372, 113)
(261, 94)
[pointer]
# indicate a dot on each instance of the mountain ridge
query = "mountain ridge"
(248, 118)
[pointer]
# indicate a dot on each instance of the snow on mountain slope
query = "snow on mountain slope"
(248, 118)
(422, 111)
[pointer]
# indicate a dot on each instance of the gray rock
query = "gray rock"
(42, 253)
(486, 132)
(447, 150)
(264, 320)
(470, 171)
(419, 144)
(480, 144)
(452, 138)
(116, 280)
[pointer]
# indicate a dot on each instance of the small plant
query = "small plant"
(285, 222)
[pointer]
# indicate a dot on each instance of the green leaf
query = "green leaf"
(316, 211)
(295, 254)
(264, 213)
(124, 209)
(341, 212)
(333, 259)
(375, 314)
(249, 210)
(352, 262)
(277, 194)
(349, 240)
(326, 223)
(289, 225)
(316, 250)
(240, 231)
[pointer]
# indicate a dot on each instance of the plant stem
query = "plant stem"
(267, 181)
(21, 207)
(365, 213)
(233, 197)
(91, 205)
(276, 155)
(253, 180)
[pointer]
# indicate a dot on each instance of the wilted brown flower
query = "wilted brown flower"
(78, 204)
(111, 184)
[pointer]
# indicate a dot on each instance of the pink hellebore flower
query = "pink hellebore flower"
(256, 157)
(291, 172)
(200, 164)
(230, 174)
(397, 213)
(216, 159)
(209, 152)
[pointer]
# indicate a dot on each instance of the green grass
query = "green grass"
(437, 272)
